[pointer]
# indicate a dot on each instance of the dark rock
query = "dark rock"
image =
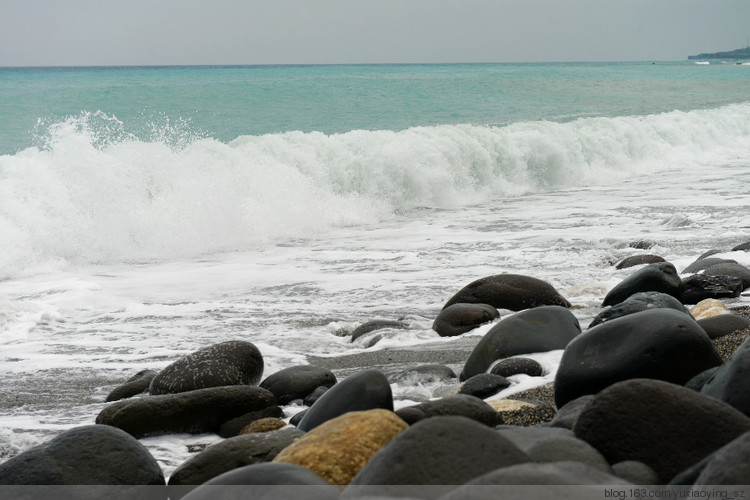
(702, 286)
(137, 384)
(635, 472)
(234, 426)
(235, 362)
(231, 453)
(660, 277)
(709, 253)
(439, 451)
(266, 481)
(376, 324)
(567, 416)
(723, 324)
(697, 382)
(297, 382)
(517, 366)
(194, 412)
(509, 291)
(736, 270)
(365, 390)
(742, 247)
(484, 385)
(662, 344)
(461, 318)
(297, 418)
(642, 244)
(311, 398)
(92, 455)
(703, 263)
(641, 301)
(729, 382)
(541, 329)
(727, 465)
(423, 374)
(637, 260)
(462, 405)
(663, 425)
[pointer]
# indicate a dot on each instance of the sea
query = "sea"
(147, 212)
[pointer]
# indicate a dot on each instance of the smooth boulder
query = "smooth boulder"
(137, 384)
(638, 260)
(641, 301)
(462, 405)
(457, 319)
(540, 329)
(660, 277)
(91, 455)
(364, 390)
(729, 382)
(722, 325)
(517, 366)
(195, 412)
(663, 425)
(515, 292)
(662, 344)
(484, 385)
(235, 362)
(296, 382)
(735, 270)
(705, 262)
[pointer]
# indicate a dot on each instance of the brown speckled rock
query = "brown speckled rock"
(263, 425)
(337, 449)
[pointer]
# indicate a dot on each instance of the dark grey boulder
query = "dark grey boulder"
(266, 481)
(90, 455)
(484, 385)
(234, 452)
(638, 260)
(641, 301)
(423, 374)
(722, 325)
(232, 427)
(517, 366)
(735, 270)
(461, 318)
(663, 425)
(728, 465)
(702, 263)
(203, 410)
(376, 324)
(662, 344)
(745, 247)
(365, 390)
(439, 451)
(462, 405)
(234, 362)
(697, 382)
(311, 398)
(703, 286)
(635, 472)
(137, 384)
(540, 329)
(297, 418)
(730, 381)
(296, 382)
(509, 291)
(660, 277)
(568, 414)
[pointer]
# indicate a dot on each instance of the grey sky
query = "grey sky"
(144, 32)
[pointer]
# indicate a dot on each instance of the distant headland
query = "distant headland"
(732, 54)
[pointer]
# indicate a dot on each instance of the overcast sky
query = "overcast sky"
(146, 32)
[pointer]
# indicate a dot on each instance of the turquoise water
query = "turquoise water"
(179, 104)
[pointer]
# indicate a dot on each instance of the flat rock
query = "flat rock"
(723, 324)
(232, 453)
(663, 425)
(662, 344)
(91, 455)
(540, 329)
(365, 390)
(641, 301)
(638, 260)
(460, 318)
(439, 451)
(234, 362)
(296, 382)
(729, 382)
(703, 263)
(698, 287)
(195, 412)
(484, 385)
(459, 405)
(729, 269)
(660, 277)
(514, 292)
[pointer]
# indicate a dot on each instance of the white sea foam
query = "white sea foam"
(94, 194)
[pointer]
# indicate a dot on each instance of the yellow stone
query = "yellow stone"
(336, 450)
(506, 405)
(707, 308)
(263, 425)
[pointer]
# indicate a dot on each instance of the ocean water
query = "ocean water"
(148, 212)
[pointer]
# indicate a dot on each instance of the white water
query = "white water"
(128, 255)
